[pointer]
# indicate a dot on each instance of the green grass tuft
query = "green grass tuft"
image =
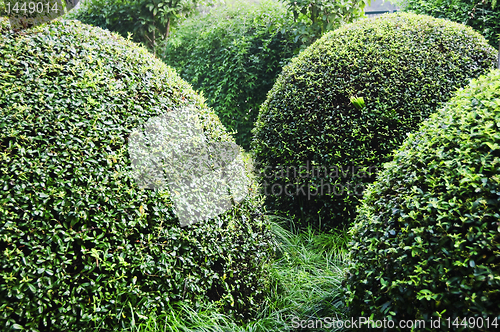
(305, 279)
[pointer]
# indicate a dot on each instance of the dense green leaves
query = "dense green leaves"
(4, 24)
(426, 241)
(233, 55)
(314, 18)
(348, 100)
(82, 246)
(147, 21)
(482, 15)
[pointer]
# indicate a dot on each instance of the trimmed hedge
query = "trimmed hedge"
(82, 246)
(347, 101)
(426, 240)
(233, 55)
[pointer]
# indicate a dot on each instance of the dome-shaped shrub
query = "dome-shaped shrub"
(340, 108)
(82, 245)
(426, 240)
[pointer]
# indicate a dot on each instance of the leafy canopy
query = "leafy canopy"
(147, 21)
(313, 18)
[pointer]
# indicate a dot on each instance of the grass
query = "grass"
(305, 280)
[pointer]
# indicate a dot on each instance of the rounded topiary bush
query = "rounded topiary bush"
(82, 245)
(233, 54)
(339, 108)
(426, 240)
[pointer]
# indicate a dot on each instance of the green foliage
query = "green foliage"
(426, 241)
(482, 15)
(233, 55)
(148, 21)
(82, 246)
(313, 18)
(4, 24)
(396, 69)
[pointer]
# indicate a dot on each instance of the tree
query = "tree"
(147, 21)
(315, 17)
(160, 14)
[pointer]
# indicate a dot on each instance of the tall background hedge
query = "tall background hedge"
(233, 54)
(482, 15)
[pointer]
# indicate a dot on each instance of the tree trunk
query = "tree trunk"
(313, 13)
(498, 64)
(154, 39)
(168, 29)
